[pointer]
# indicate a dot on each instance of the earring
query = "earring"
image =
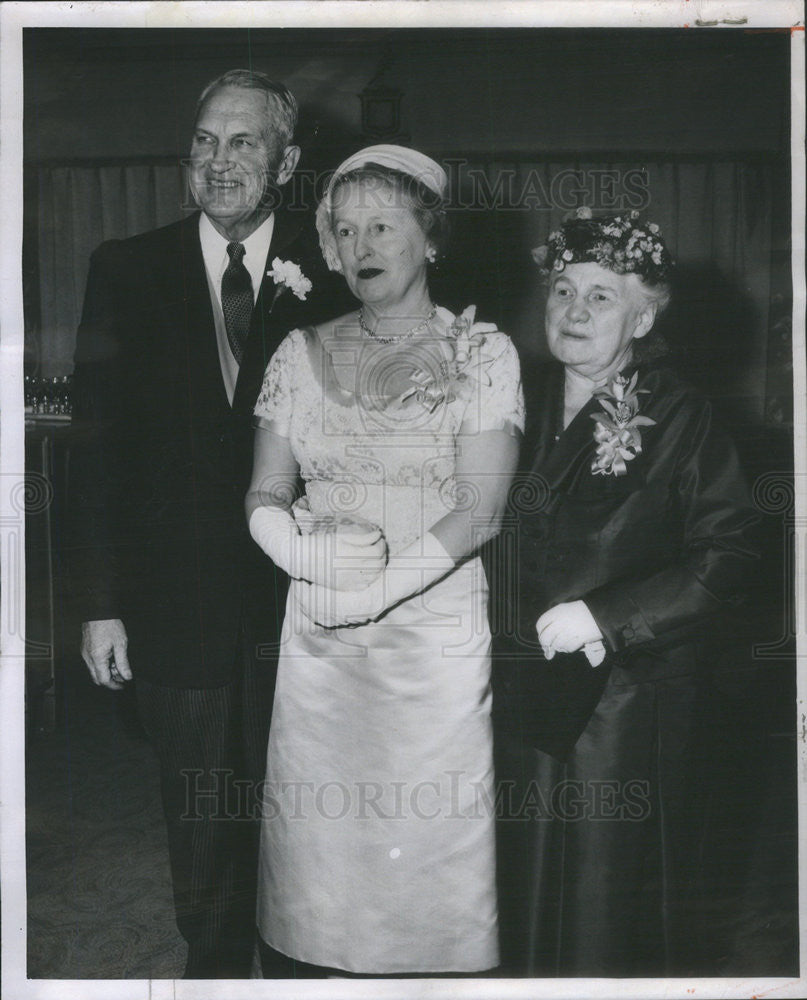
(431, 255)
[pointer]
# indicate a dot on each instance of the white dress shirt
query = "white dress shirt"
(214, 252)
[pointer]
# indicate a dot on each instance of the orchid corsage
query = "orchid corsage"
(287, 274)
(616, 431)
(467, 366)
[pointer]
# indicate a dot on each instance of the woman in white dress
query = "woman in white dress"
(377, 852)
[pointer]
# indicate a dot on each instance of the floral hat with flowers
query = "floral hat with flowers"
(621, 243)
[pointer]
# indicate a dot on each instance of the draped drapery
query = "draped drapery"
(717, 217)
(78, 208)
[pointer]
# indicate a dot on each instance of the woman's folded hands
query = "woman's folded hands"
(407, 573)
(336, 554)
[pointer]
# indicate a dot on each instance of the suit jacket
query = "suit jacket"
(163, 461)
(661, 555)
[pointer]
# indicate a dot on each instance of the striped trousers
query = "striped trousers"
(211, 745)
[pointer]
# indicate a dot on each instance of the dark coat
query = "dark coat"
(162, 461)
(660, 555)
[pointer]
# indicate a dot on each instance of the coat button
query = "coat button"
(628, 632)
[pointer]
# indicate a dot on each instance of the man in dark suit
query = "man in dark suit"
(177, 328)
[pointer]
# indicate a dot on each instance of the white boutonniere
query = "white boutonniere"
(467, 365)
(616, 431)
(287, 274)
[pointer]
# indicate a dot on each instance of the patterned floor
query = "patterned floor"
(99, 896)
(99, 891)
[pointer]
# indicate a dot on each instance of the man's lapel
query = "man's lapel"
(271, 317)
(188, 312)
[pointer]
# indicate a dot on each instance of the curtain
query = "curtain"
(78, 208)
(716, 218)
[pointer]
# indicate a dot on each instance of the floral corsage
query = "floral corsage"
(467, 366)
(616, 430)
(287, 274)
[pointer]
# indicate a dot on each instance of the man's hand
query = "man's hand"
(103, 648)
(567, 628)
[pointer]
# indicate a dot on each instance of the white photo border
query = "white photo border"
(335, 13)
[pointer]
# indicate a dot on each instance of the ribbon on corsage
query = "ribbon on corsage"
(467, 366)
(617, 430)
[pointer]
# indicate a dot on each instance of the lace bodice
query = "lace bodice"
(389, 459)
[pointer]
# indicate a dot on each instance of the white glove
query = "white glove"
(409, 572)
(595, 652)
(569, 627)
(341, 555)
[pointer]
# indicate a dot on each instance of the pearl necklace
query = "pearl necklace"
(401, 336)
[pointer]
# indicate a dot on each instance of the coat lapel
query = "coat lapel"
(189, 326)
(544, 396)
(565, 464)
(574, 449)
(557, 461)
(270, 318)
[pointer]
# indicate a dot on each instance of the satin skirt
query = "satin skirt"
(601, 853)
(377, 843)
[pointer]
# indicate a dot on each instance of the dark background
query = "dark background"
(105, 93)
(702, 113)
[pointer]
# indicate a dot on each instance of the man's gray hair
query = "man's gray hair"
(281, 110)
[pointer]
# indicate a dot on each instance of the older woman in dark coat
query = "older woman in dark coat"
(631, 535)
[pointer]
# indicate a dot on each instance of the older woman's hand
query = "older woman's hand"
(567, 628)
